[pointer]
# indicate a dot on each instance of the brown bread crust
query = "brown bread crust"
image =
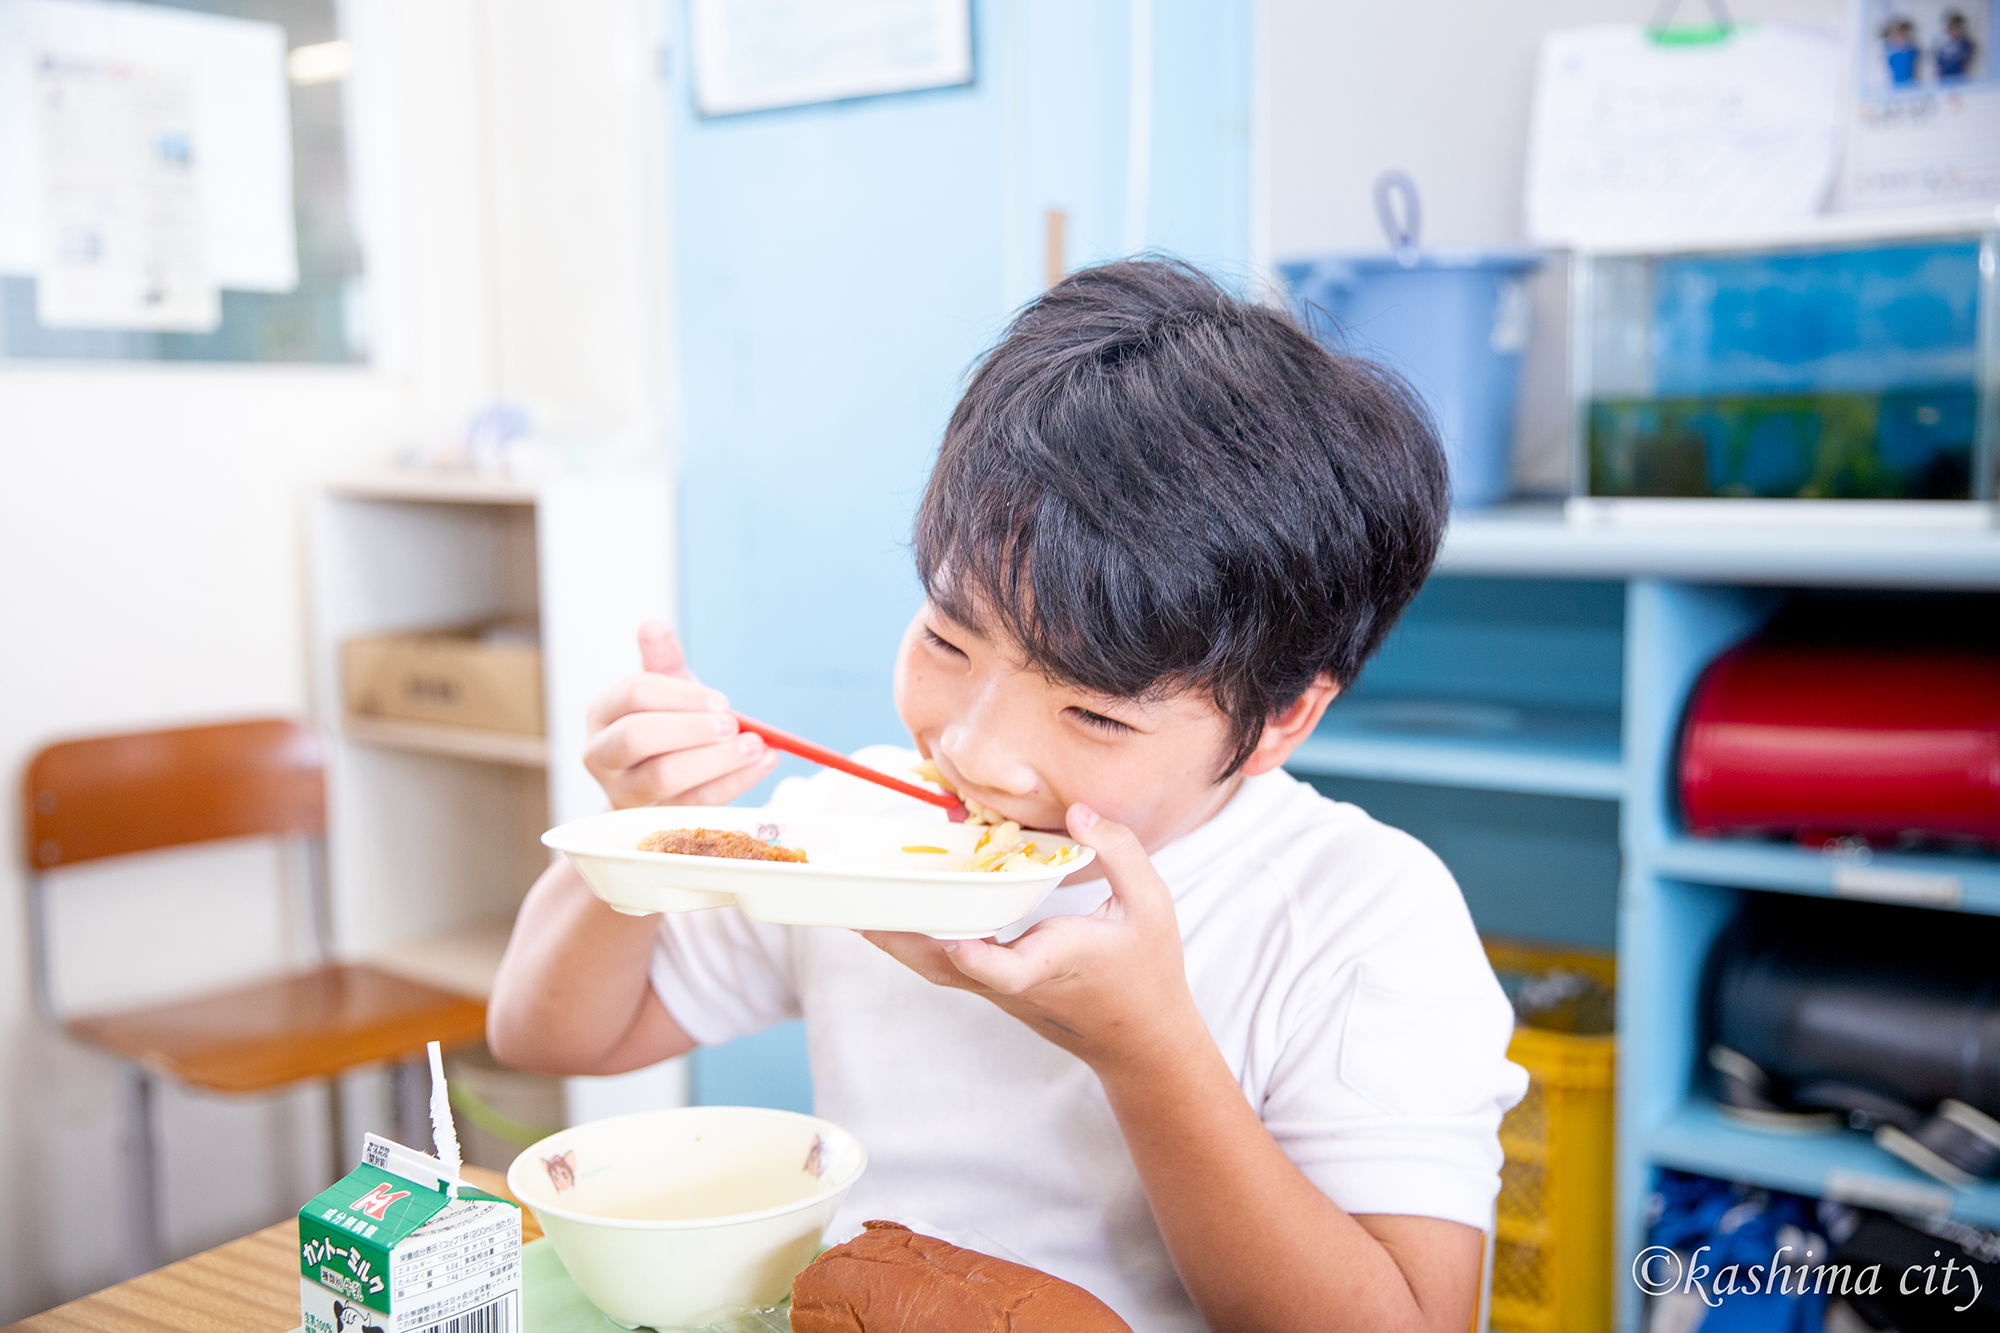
(890, 1279)
(716, 842)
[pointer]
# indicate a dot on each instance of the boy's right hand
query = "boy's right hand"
(663, 738)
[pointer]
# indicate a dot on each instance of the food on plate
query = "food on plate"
(717, 842)
(1003, 846)
(890, 1279)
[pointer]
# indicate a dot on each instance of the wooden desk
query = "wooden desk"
(247, 1286)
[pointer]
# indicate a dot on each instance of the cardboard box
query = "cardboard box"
(483, 676)
(386, 1248)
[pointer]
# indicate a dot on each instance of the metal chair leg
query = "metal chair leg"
(336, 1143)
(409, 1096)
(142, 1166)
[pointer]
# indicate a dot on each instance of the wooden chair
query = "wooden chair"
(107, 796)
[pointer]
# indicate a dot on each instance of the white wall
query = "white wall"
(1440, 89)
(579, 208)
(150, 529)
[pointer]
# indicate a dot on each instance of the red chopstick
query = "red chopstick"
(819, 754)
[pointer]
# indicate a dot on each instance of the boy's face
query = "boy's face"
(1015, 742)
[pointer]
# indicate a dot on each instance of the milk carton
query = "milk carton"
(387, 1250)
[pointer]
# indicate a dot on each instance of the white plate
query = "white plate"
(856, 873)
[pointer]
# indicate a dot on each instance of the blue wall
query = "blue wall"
(839, 267)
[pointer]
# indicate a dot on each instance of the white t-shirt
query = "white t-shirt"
(1333, 960)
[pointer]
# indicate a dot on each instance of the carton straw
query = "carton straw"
(443, 1133)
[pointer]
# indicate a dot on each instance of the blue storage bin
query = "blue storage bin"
(1451, 322)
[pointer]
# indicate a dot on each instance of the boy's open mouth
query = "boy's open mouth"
(996, 814)
(995, 811)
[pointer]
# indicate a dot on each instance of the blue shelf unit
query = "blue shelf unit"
(1679, 892)
(1523, 721)
(1489, 727)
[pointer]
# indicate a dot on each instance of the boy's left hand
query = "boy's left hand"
(1110, 988)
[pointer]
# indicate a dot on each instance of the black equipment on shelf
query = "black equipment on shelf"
(1885, 1019)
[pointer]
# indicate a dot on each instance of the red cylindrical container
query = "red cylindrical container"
(1787, 738)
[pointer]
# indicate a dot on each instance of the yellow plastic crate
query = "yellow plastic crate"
(1552, 1255)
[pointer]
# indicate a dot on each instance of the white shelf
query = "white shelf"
(432, 487)
(420, 848)
(463, 962)
(1535, 540)
(496, 747)
(1820, 229)
(1549, 751)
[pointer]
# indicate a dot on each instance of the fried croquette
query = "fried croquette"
(717, 842)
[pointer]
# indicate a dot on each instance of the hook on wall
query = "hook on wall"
(1404, 230)
(1664, 15)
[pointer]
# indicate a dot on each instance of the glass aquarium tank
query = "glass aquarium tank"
(1857, 370)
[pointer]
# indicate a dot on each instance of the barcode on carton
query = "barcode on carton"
(492, 1317)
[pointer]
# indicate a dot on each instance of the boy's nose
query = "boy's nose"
(984, 760)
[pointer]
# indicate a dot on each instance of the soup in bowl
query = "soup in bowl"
(668, 1219)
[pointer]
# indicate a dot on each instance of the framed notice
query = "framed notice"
(758, 55)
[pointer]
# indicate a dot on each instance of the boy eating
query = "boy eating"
(1248, 1074)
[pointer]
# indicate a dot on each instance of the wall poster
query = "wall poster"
(1926, 125)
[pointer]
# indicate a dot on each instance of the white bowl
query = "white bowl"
(672, 1219)
(857, 873)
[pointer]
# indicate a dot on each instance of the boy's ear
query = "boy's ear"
(1287, 728)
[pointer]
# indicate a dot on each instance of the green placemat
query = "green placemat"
(552, 1304)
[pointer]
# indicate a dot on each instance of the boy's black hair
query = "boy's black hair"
(1151, 486)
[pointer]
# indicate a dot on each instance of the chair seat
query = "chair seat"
(311, 1025)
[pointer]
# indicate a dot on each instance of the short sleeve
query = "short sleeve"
(722, 975)
(1393, 1075)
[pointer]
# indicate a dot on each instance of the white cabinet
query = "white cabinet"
(434, 830)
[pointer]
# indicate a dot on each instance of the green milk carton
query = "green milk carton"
(388, 1250)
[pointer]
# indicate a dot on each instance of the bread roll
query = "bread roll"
(890, 1279)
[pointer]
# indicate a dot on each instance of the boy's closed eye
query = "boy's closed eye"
(942, 644)
(1101, 723)
(1109, 726)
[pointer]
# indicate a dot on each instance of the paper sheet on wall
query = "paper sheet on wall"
(123, 243)
(1926, 126)
(241, 119)
(1635, 139)
(756, 55)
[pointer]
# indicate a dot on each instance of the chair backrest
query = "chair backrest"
(110, 795)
